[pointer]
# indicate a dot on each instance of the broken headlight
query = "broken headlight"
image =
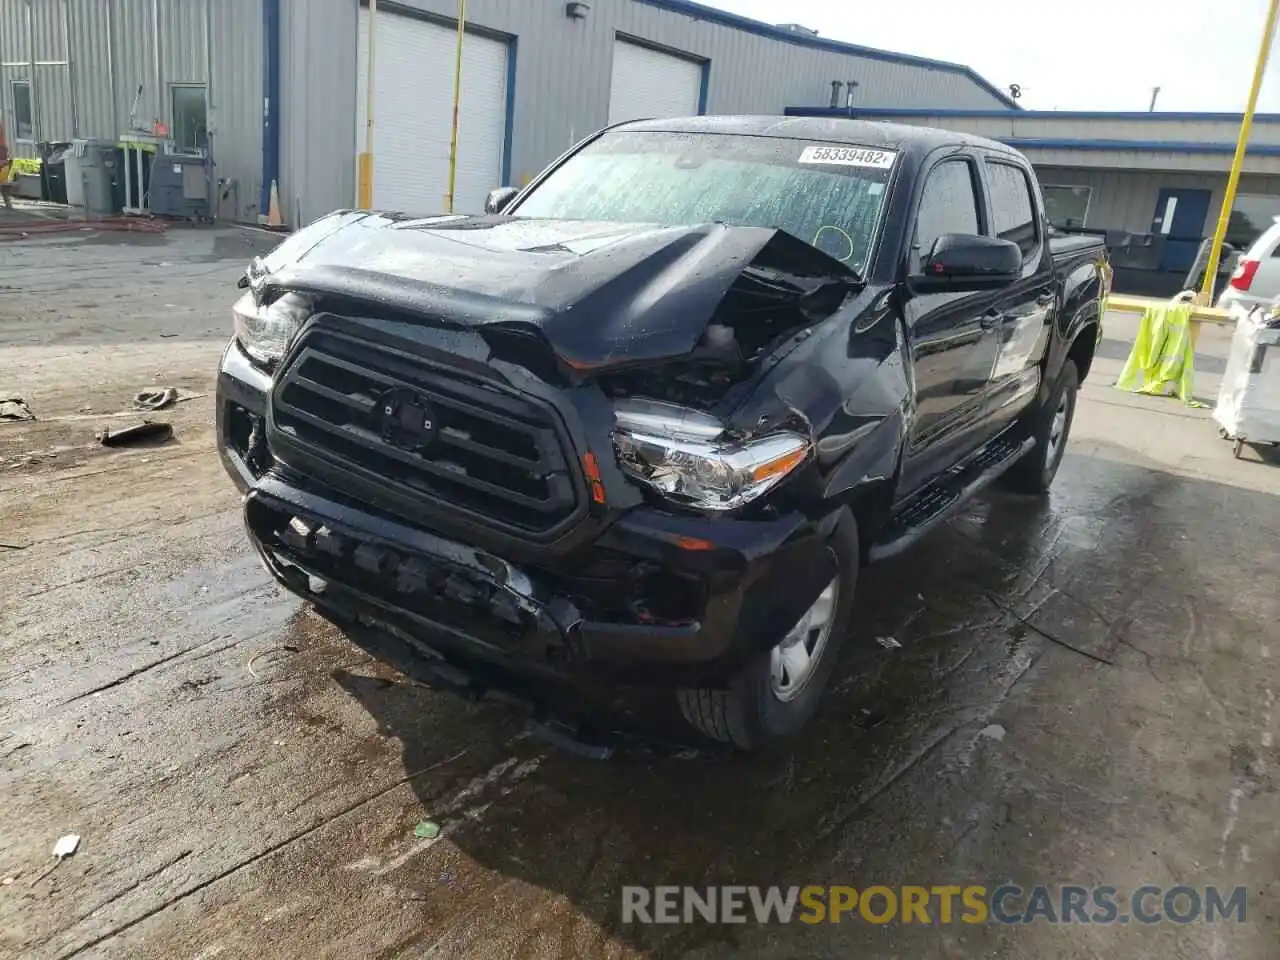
(264, 332)
(683, 455)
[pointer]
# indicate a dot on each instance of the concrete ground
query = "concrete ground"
(1084, 692)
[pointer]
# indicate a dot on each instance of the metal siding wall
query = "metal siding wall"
(182, 47)
(13, 33)
(562, 80)
(235, 98)
(40, 37)
(91, 62)
(1126, 199)
(318, 107)
(133, 53)
(117, 39)
(13, 50)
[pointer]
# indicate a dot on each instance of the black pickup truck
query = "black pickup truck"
(644, 420)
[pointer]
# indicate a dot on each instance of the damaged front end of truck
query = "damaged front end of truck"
(493, 448)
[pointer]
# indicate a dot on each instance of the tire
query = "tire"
(1034, 473)
(753, 709)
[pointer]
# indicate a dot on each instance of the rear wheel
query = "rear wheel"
(1051, 426)
(776, 693)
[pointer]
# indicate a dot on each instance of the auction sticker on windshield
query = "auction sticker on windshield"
(849, 156)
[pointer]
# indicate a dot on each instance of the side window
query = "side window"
(1012, 209)
(948, 204)
(23, 115)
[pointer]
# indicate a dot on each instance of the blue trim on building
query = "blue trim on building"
(888, 112)
(270, 103)
(1156, 146)
(1050, 143)
(510, 124)
(710, 14)
(704, 88)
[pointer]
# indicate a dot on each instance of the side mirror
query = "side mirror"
(498, 200)
(962, 261)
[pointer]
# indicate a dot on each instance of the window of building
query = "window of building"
(948, 204)
(1066, 206)
(1012, 208)
(1251, 215)
(190, 129)
(24, 125)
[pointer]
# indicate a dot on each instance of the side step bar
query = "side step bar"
(936, 503)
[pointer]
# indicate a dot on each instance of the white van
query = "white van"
(1256, 280)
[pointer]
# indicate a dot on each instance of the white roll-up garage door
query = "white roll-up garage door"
(648, 83)
(413, 113)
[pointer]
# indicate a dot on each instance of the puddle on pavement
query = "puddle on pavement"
(524, 822)
(635, 817)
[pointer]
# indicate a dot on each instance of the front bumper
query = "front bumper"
(656, 595)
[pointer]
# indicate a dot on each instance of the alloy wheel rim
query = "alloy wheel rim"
(1058, 428)
(794, 661)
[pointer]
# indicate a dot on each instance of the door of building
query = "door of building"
(413, 113)
(1179, 223)
(647, 83)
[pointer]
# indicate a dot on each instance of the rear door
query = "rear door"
(953, 335)
(1026, 308)
(1179, 221)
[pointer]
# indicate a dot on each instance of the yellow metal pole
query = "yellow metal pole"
(364, 165)
(1233, 179)
(457, 97)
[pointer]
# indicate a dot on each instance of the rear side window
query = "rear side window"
(948, 204)
(1012, 209)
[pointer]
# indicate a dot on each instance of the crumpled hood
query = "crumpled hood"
(599, 294)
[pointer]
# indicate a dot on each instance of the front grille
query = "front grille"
(427, 435)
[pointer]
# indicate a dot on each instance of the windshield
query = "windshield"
(829, 195)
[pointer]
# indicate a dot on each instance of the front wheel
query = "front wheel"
(776, 693)
(1051, 426)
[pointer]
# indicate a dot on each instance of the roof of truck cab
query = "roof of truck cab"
(863, 133)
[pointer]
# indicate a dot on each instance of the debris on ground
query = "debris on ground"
(15, 409)
(65, 847)
(869, 719)
(427, 830)
(156, 399)
(993, 732)
(147, 430)
(287, 648)
(889, 643)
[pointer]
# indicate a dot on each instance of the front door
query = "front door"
(1179, 222)
(954, 336)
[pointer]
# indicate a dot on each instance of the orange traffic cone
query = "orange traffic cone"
(274, 219)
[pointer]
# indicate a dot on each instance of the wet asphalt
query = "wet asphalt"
(1071, 691)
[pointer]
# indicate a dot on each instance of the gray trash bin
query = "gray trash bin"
(75, 182)
(91, 173)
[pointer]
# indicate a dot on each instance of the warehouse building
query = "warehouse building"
(276, 92)
(275, 89)
(101, 69)
(537, 75)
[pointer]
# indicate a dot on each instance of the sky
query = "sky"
(1075, 55)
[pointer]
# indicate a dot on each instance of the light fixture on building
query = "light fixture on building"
(577, 9)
